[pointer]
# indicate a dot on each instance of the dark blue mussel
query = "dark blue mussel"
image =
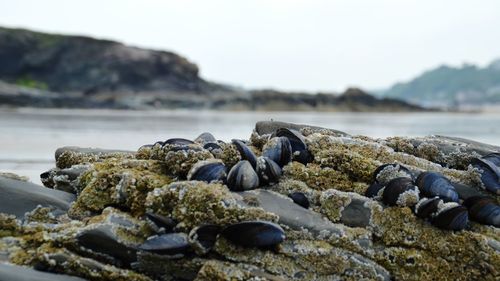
(245, 152)
(205, 138)
(489, 167)
(268, 171)
(208, 171)
(426, 207)
(454, 218)
(242, 177)
(298, 144)
(484, 210)
(178, 141)
(254, 234)
(373, 189)
(167, 223)
(212, 146)
(434, 184)
(401, 192)
(300, 199)
(279, 150)
(203, 238)
(167, 244)
(385, 173)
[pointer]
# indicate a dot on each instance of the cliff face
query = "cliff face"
(86, 65)
(48, 70)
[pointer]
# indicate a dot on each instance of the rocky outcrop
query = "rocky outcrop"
(48, 70)
(136, 215)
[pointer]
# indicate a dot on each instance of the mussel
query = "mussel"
(298, 144)
(268, 171)
(245, 152)
(208, 170)
(427, 206)
(205, 138)
(202, 238)
(434, 184)
(484, 210)
(254, 234)
(300, 199)
(279, 150)
(489, 167)
(451, 216)
(242, 177)
(178, 142)
(167, 244)
(400, 192)
(167, 223)
(374, 189)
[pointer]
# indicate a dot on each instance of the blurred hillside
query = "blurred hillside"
(463, 86)
(48, 70)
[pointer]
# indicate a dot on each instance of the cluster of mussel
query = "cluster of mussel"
(249, 173)
(431, 196)
(252, 171)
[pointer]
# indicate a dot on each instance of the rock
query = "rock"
(88, 150)
(10, 272)
(290, 214)
(117, 235)
(18, 197)
(64, 179)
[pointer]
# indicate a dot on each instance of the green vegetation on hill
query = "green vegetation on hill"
(447, 85)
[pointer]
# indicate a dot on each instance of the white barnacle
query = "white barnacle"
(408, 198)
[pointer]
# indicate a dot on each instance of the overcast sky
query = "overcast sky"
(285, 44)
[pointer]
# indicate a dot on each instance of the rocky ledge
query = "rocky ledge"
(294, 202)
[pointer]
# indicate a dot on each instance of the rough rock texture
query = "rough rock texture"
(342, 236)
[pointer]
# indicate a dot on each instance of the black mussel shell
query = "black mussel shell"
(373, 189)
(254, 234)
(208, 171)
(380, 175)
(242, 177)
(298, 144)
(455, 218)
(210, 146)
(434, 184)
(300, 199)
(45, 175)
(396, 189)
(268, 171)
(167, 244)
(245, 152)
(279, 150)
(426, 207)
(205, 138)
(489, 166)
(178, 141)
(202, 238)
(484, 210)
(162, 221)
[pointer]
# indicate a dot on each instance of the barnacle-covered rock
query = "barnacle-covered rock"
(194, 203)
(119, 183)
(137, 218)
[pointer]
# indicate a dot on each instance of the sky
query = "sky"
(294, 45)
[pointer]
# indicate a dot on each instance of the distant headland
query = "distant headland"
(61, 71)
